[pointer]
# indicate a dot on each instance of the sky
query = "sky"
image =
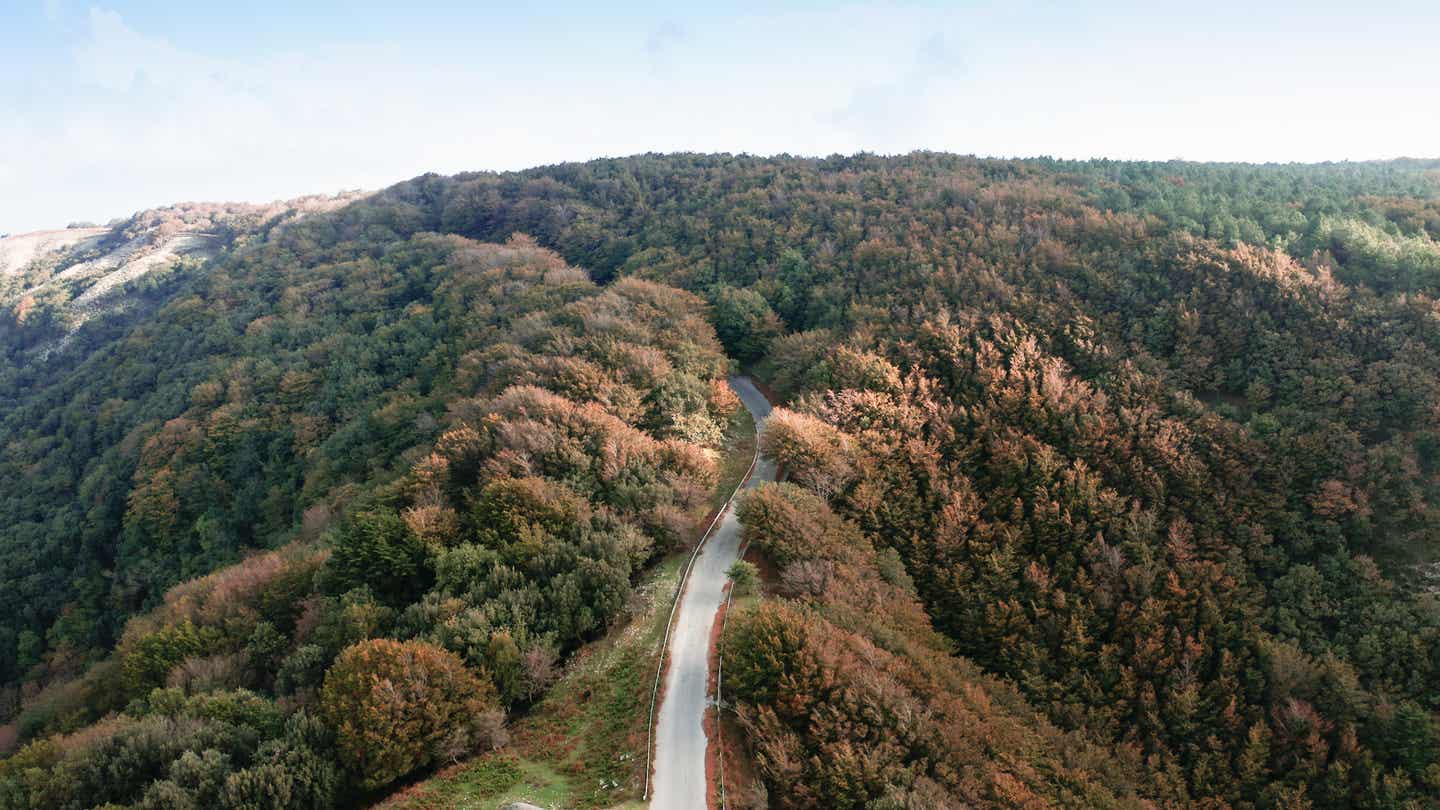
(112, 107)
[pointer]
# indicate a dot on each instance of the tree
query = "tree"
(744, 322)
(148, 661)
(377, 550)
(744, 577)
(398, 706)
(813, 452)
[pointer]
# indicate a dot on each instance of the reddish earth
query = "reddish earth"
(740, 775)
(712, 751)
(768, 392)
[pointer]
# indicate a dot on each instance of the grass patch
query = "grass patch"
(739, 452)
(489, 782)
(593, 724)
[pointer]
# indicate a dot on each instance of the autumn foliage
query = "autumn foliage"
(1109, 481)
(469, 467)
(398, 706)
(850, 699)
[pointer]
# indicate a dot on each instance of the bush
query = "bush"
(201, 775)
(511, 509)
(240, 708)
(123, 761)
(208, 673)
(792, 525)
(262, 787)
(336, 623)
(152, 657)
(302, 669)
(743, 578)
(767, 660)
(814, 453)
(398, 706)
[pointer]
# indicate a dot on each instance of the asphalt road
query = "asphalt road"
(680, 740)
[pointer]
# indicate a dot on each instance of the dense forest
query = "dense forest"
(458, 543)
(1149, 450)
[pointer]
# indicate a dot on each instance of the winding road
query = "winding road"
(680, 740)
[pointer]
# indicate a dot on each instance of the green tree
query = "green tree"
(744, 322)
(744, 577)
(377, 550)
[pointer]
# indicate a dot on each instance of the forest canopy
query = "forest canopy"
(466, 454)
(1149, 449)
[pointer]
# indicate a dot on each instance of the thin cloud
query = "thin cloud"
(881, 112)
(661, 43)
(106, 115)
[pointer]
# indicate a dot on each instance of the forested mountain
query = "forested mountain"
(1149, 449)
(490, 445)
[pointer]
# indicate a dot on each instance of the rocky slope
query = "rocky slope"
(69, 276)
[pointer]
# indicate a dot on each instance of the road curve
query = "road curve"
(680, 740)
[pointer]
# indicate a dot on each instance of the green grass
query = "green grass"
(489, 782)
(739, 452)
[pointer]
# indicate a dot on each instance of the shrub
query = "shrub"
(813, 453)
(767, 660)
(540, 664)
(398, 706)
(336, 623)
(166, 795)
(121, 765)
(240, 708)
(510, 509)
(265, 648)
(792, 525)
(679, 407)
(147, 663)
(302, 669)
(262, 787)
(201, 775)
(744, 322)
(743, 577)
(207, 673)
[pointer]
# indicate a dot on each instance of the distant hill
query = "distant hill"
(65, 277)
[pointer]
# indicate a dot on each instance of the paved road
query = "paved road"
(680, 732)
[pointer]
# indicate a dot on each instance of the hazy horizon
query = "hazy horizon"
(260, 200)
(124, 106)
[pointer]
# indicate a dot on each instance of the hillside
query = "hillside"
(55, 281)
(1130, 470)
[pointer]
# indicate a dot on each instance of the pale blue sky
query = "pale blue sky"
(111, 107)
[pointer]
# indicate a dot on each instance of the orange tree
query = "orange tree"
(398, 706)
